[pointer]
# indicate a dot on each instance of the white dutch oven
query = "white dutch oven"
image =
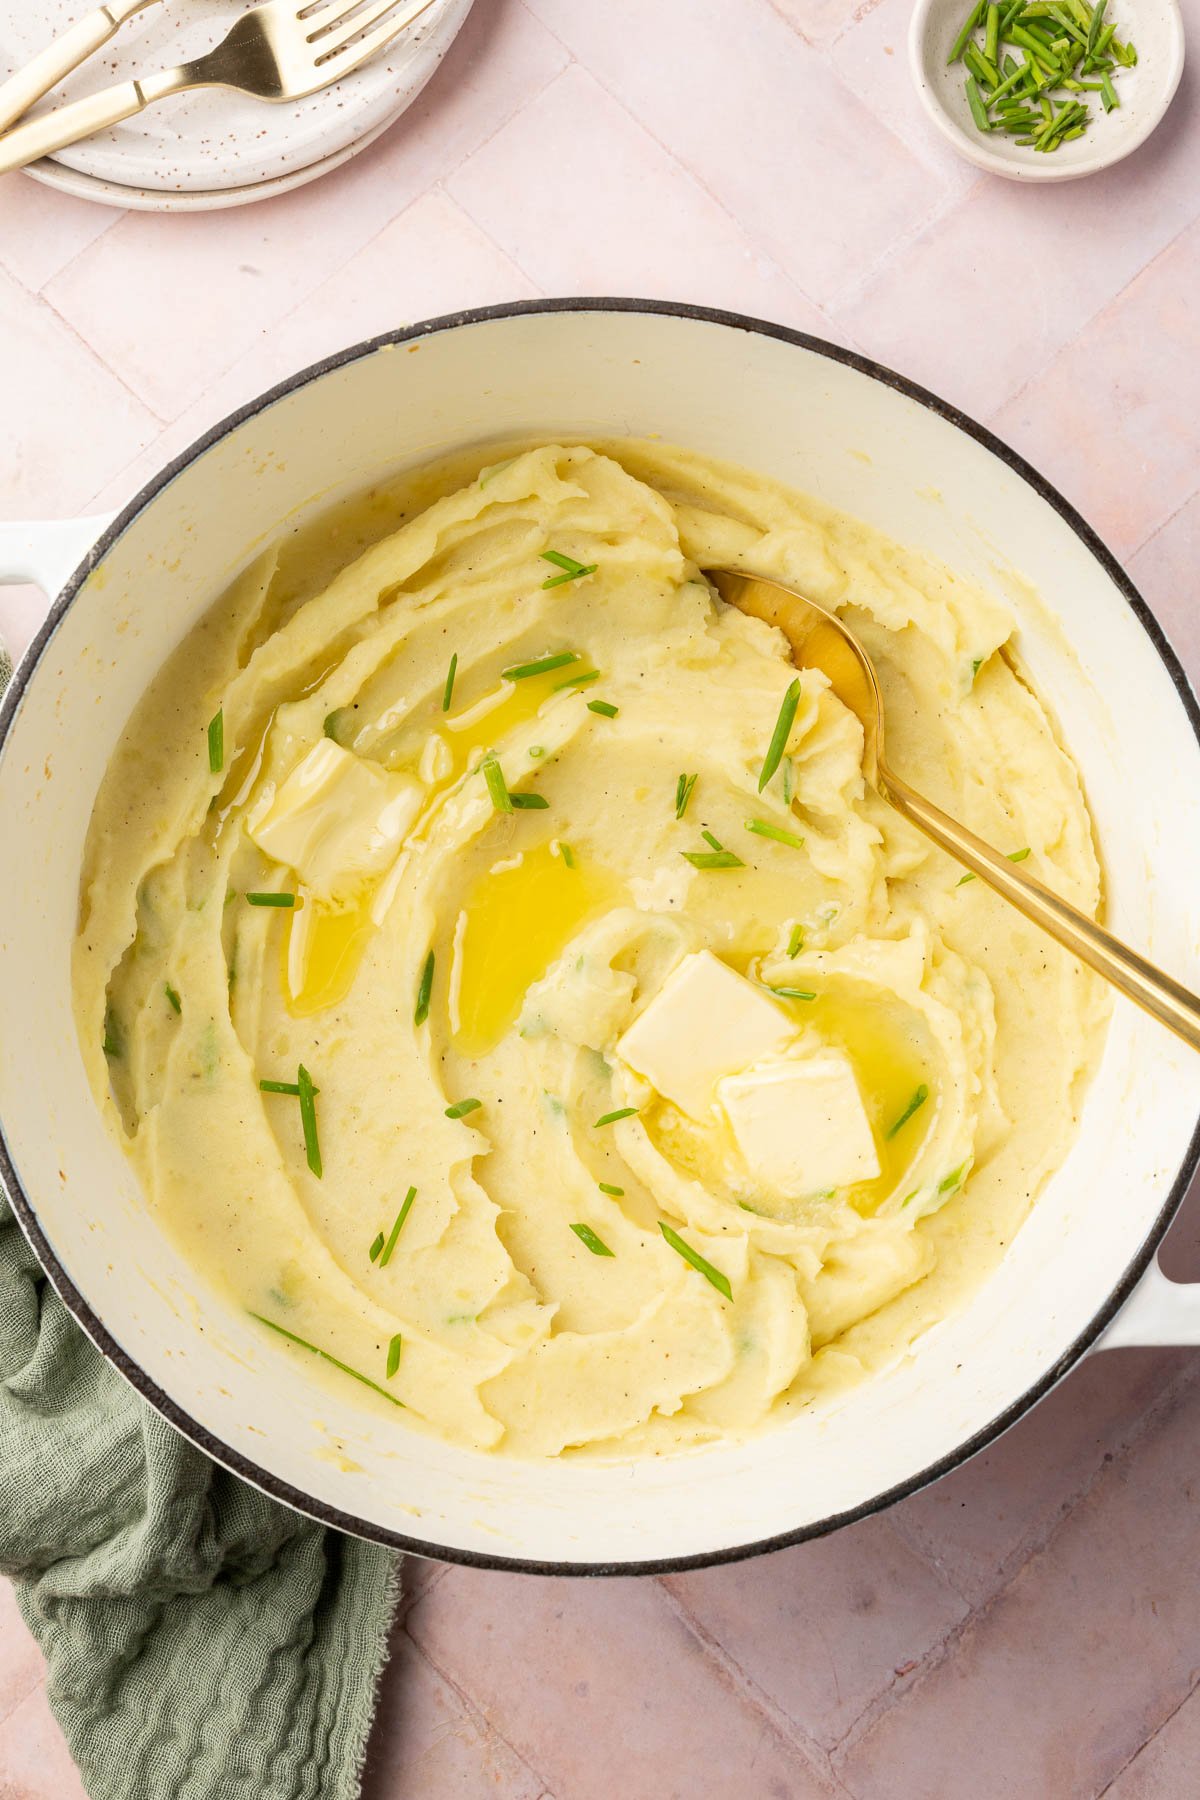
(825, 422)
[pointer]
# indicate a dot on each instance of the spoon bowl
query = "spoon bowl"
(819, 640)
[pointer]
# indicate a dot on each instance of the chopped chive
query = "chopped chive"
(991, 44)
(280, 1087)
(1005, 87)
(567, 854)
(719, 1281)
(952, 1180)
(622, 1112)
(173, 1000)
(715, 842)
(1108, 93)
(573, 571)
(385, 1255)
(325, 1357)
(792, 993)
(779, 737)
(975, 102)
(578, 681)
(424, 991)
(918, 1100)
(537, 751)
(216, 741)
(984, 71)
(529, 802)
(493, 774)
(606, 1187)
(560, 580)
(595, 1244)
(683, 793)
(1021, 34)
(271, 899)
(604, 707)
(964, 36)
(976, 665)
(712, 859)
(795, 941)
(308, 1119)
(542, 666)
(376, 1247)
(1014, 856)
(113, 1042)
(763, 828)
(461, 1108)
(448, 690)
(393, 1355)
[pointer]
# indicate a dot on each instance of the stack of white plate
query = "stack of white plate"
(213, 148)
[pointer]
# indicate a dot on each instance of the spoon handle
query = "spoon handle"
(1139, 980)
(69, 49)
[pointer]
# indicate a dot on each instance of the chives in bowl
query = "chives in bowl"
(1032, 67)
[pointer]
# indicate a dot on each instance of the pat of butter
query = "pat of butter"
(705, 1020)
(337, 820)
(800, 1123)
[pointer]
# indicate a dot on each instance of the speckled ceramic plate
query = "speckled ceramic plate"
(135, 199)
(213, 143)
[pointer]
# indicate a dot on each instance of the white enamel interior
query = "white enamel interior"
(821, 426)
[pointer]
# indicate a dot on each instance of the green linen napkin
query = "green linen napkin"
(203, 1642)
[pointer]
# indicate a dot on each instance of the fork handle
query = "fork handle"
(96, 112)
(68, 50)
(1157, 993)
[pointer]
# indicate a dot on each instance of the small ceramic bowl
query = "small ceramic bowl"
(1145, 91)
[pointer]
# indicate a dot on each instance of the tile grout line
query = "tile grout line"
(1144, 543)
(1147, 1741)
(861, 12)
(744, 1685)
(1040, 1535)
(937, 1654)
(856, 289)
(409, 1599)
(685, 168)
(118, 213)
(436, 188)
(476, 1712)
(44, 299)
(528, 98)
(1091, 319)
(438, 184)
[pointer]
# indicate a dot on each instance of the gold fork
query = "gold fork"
(819, 640)
(284, 50)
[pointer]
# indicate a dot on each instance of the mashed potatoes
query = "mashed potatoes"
(502, 980)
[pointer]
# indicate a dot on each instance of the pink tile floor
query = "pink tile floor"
(1031, 1625)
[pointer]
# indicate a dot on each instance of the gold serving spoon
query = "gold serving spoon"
(821, 641)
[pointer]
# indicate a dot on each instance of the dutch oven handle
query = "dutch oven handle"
(1158, 1312)
(48, 552)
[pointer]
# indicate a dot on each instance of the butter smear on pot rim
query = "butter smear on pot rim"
(505, 986)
